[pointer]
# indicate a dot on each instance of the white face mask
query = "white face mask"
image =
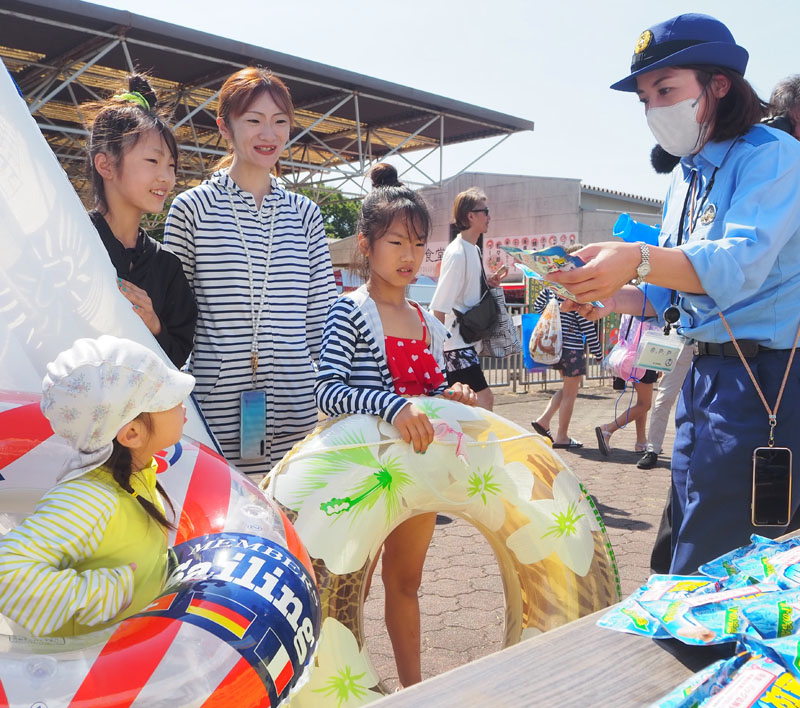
(676, 128)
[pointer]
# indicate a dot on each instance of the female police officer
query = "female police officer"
(729, 254)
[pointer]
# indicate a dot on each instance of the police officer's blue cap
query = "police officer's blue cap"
(686, 39)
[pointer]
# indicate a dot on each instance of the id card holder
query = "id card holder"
(252, 425)
(658, 351)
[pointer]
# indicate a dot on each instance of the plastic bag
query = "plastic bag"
(621, 359)
(545, 344)
(504, 340)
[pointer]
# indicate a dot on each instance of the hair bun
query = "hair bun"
(139, 84)
(384, 175)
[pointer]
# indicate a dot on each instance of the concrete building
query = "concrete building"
(533, 212)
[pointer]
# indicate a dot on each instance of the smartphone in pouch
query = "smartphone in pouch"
(252, 425)
(772, 486)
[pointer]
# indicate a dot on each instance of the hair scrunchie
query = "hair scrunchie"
(135, 97)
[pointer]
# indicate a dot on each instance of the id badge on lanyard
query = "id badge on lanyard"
(658, 351)
(253, 403)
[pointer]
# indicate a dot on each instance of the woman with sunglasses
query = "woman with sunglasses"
(459, 288)
(726, 273)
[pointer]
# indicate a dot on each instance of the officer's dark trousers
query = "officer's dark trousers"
(719, 421)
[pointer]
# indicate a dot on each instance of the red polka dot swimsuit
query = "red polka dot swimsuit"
(411, 364)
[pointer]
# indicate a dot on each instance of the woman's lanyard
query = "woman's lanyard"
(255, 314)
(672, 314)
(773, 415)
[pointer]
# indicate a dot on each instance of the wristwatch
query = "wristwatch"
(644, 267)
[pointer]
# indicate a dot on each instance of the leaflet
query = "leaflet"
(539, 264)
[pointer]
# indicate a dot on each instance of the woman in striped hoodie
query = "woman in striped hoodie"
(94, 551)
(378, 349)
(256, 258)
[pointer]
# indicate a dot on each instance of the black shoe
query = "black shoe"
(441, 520)
(648, 461)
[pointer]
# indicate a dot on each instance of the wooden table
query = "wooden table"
(579, 664)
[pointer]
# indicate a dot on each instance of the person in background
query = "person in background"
(668, 389)
(637, 413)
(94, 550)
(378, 349)
(576, 333)
(256, 258)
(728, 266)
(132, 156)
(784, 106)
(459, 288)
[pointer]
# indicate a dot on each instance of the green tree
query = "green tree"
(339, 213)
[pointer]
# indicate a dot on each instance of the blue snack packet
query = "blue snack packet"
(630, 616)
(774, 615)
(704, 684)
(708, 618)
(724, 566)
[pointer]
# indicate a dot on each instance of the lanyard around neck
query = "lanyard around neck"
(672, 314)
(772, 415)
(255, 314)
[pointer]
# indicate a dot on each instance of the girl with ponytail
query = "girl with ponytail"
(378, 349)
(132, 156)
(94, 551)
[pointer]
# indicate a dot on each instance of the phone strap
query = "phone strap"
(255, 314)
(773, 415)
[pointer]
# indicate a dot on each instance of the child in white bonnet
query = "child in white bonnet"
(94, 551)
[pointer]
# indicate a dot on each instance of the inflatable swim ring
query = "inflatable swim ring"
(236, 625)
(353, 480)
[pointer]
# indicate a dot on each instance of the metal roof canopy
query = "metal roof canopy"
(65, 52)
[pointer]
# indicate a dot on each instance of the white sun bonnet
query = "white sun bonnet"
(97, 386)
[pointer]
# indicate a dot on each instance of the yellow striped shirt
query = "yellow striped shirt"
(65, 570)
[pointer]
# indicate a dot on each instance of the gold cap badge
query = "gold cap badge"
(643, 42)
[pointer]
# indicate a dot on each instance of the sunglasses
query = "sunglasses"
(485, 210)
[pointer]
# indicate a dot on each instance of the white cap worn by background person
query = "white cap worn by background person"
(97, 386)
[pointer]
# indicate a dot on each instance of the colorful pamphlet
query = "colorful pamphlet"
(539, 264)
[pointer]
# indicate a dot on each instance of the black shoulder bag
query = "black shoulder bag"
(480, 321)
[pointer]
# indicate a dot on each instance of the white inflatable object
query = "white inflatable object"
(353, 480)
(236, 624)
(57, 282)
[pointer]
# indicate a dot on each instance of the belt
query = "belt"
(749, 348)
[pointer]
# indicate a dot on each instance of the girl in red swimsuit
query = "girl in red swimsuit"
(378, 349)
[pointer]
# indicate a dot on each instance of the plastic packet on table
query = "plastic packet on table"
(705, 682)
(630, 616)
(744, 681)
(786, 567)
(783, 650)
(729, 563)
(774, 615)
(773, 564)
(708, 618)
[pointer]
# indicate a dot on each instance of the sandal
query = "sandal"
(539, 428)
(571, 445)
(603, 436)
(640, 447)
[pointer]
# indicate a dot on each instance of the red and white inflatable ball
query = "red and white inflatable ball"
(236, 625)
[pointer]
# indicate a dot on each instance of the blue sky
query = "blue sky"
(550, 62)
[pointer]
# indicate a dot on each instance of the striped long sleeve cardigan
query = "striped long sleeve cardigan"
(353, 374)
(202, 231)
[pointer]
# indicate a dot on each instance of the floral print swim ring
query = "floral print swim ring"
(353, 480)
